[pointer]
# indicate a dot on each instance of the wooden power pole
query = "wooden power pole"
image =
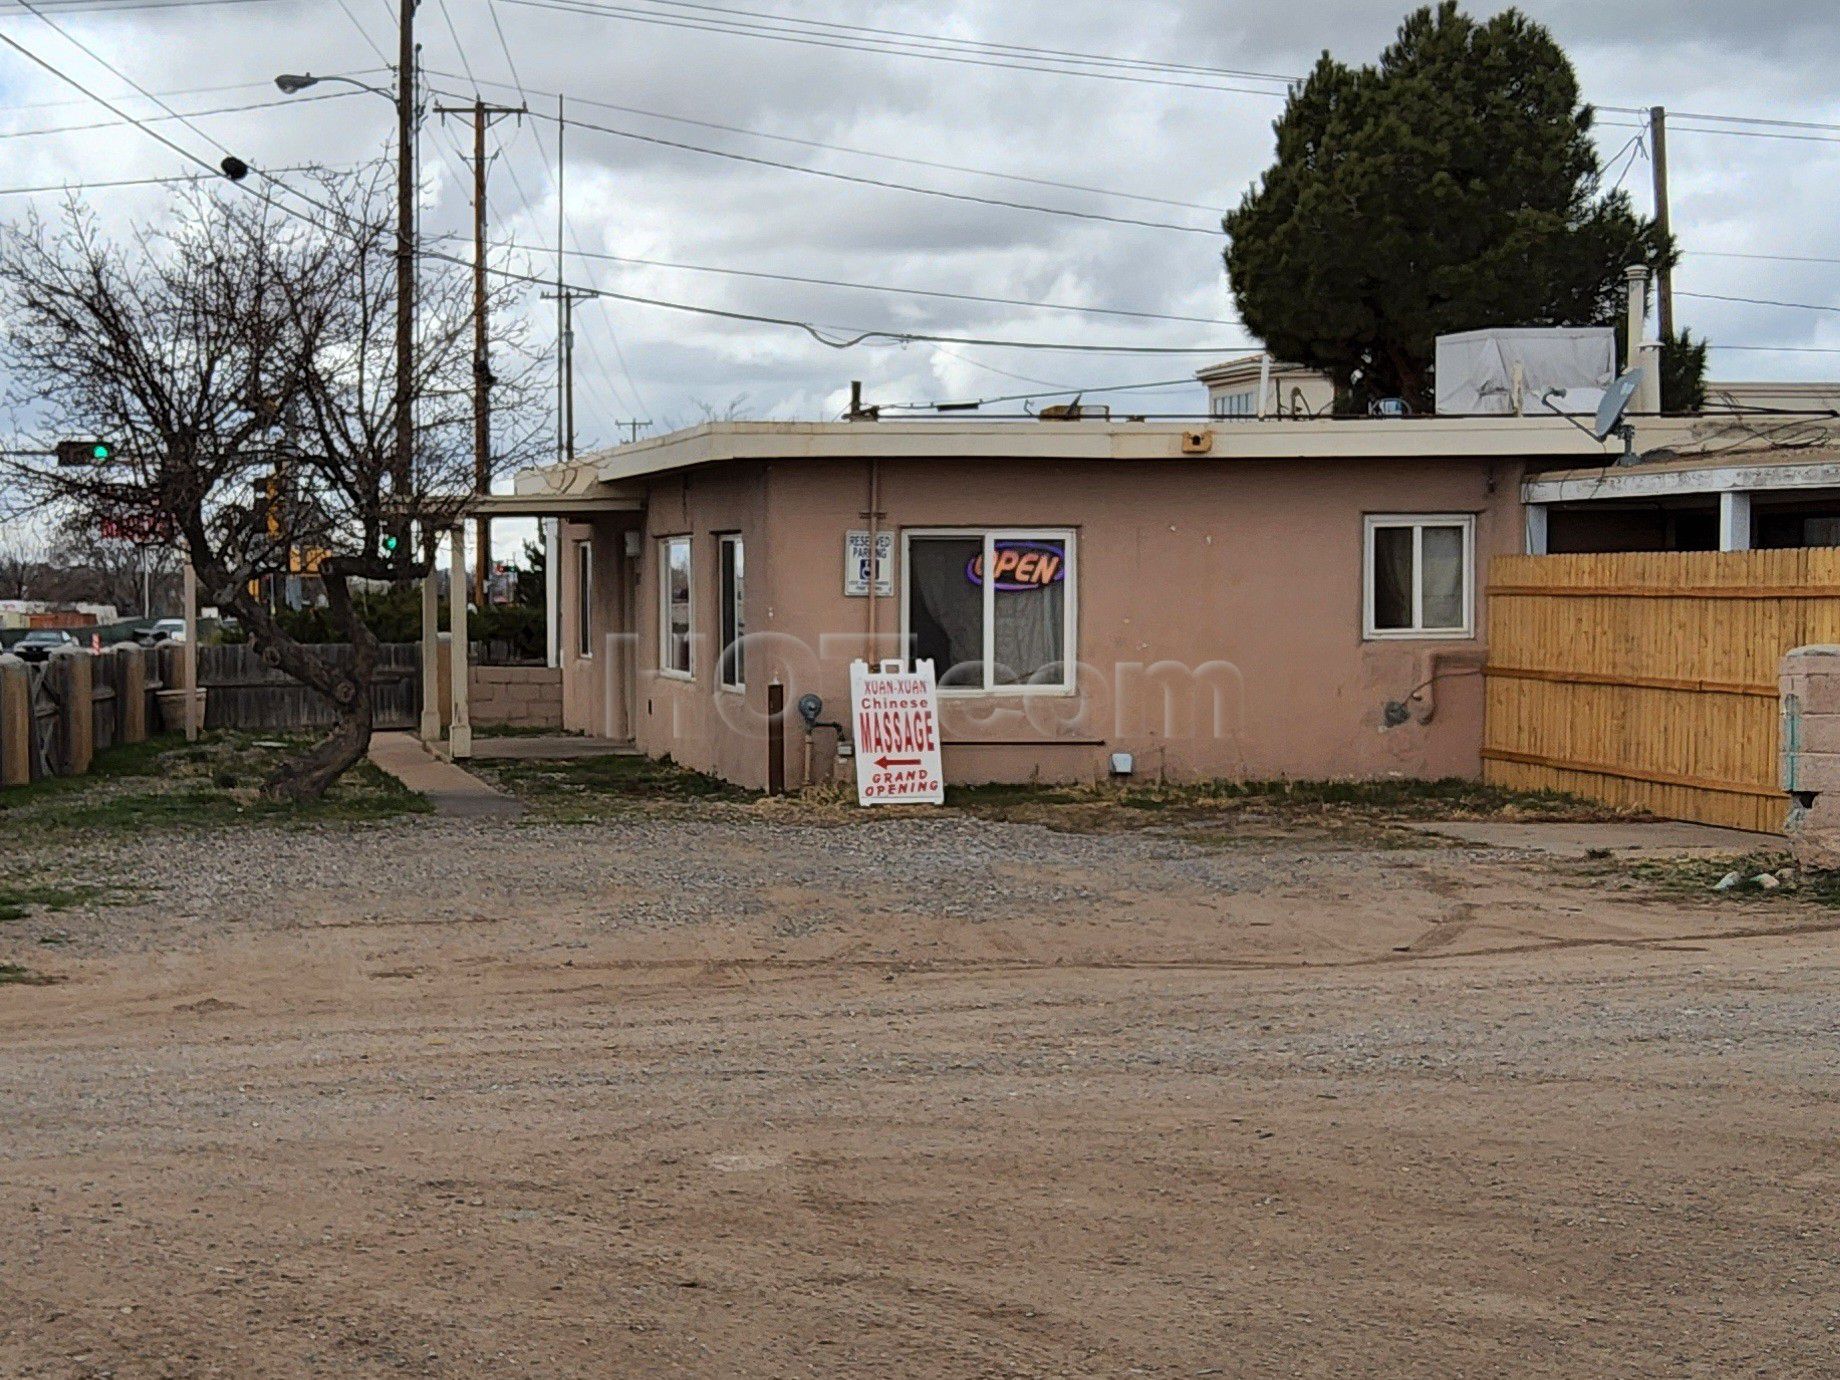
(483, 118)
(565, 299)
(1664, 283)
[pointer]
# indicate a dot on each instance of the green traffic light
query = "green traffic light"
(389, 546)
(100, 452)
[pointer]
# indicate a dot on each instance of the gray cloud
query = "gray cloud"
(1732, 194)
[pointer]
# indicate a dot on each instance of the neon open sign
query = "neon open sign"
(1022, 565)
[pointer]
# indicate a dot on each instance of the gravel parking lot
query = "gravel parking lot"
(727, 1092)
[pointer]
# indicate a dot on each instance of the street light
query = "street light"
(292, 83)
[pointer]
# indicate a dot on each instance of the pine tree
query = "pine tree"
(1454, 186)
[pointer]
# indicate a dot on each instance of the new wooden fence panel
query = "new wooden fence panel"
(1649, 679)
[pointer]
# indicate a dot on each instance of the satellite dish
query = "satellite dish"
(1616, 402)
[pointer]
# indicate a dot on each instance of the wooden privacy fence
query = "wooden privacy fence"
(1650, 679)
(244, 691)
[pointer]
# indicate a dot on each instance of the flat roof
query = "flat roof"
(1364, 438)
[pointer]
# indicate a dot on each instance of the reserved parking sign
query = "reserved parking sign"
(896, 714)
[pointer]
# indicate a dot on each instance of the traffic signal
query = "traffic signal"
(84, 452)
(389, 546)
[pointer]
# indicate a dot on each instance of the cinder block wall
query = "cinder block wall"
(1810, 690)
(516, 697)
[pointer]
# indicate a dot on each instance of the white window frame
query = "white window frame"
(1242, 402)
(1070, 539)
(584, 600)
(726, 542)
(1418, 522)
(665, 544)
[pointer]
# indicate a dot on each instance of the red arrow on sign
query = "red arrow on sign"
(886, 762)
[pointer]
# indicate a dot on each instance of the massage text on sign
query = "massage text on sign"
(896, 719)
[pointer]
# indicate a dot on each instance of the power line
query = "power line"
(123, 118)
(126, 6)
(505, 47)
(888, 49)
(860, 337)
(882, 287)
(121, 115)
(103, 62)
(984, 44)
(129, 182)
(1782, 349)
(1759, 301)
(1773, 258)
(1775, 121)
(865, 153)
(1031, 397)
(859, 180)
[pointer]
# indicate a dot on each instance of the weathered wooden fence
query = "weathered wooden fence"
(244, 691)
(55, 717)
(1650, 679)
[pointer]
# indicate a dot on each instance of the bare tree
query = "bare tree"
(22, 564)
(240, 366)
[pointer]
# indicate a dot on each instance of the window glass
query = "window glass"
(991, 610)
(584, 598)
(1029, 612)
(1442, 577)
(1393, 576)
(1419, 576)
(945, 608)
(674, 654)
(734, 621)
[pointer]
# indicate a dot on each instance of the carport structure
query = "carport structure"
(569, 497)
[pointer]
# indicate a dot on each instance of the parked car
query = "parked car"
(40, 643)
(165, 630)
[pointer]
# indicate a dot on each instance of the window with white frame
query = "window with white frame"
(1235, 404)
(733, 579)
(674, 604)
(584, 598)
(1420, 575)
(992, 609)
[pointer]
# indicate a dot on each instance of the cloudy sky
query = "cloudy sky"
(1168, 130)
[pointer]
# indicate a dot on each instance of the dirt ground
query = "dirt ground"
(762, 1098)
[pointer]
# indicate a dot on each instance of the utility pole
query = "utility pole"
(1664, 286)
(483, 117)
(631, 428)
(403, 473)
(565, 299)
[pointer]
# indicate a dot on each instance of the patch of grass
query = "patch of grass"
(1701, 877)
(19, 900)
(1365, 807)
(589, 788)
(166, 783)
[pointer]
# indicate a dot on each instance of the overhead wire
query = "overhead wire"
(1031, 303)
(982, 44)
(575, 100)
(748, 30)
(860, 180)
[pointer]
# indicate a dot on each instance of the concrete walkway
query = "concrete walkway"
(453, 792)
(1562, 840)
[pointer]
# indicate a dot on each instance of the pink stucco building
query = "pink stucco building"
(1262, 599)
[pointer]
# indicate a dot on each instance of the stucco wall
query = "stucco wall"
(595, 681)
(1219, 618)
